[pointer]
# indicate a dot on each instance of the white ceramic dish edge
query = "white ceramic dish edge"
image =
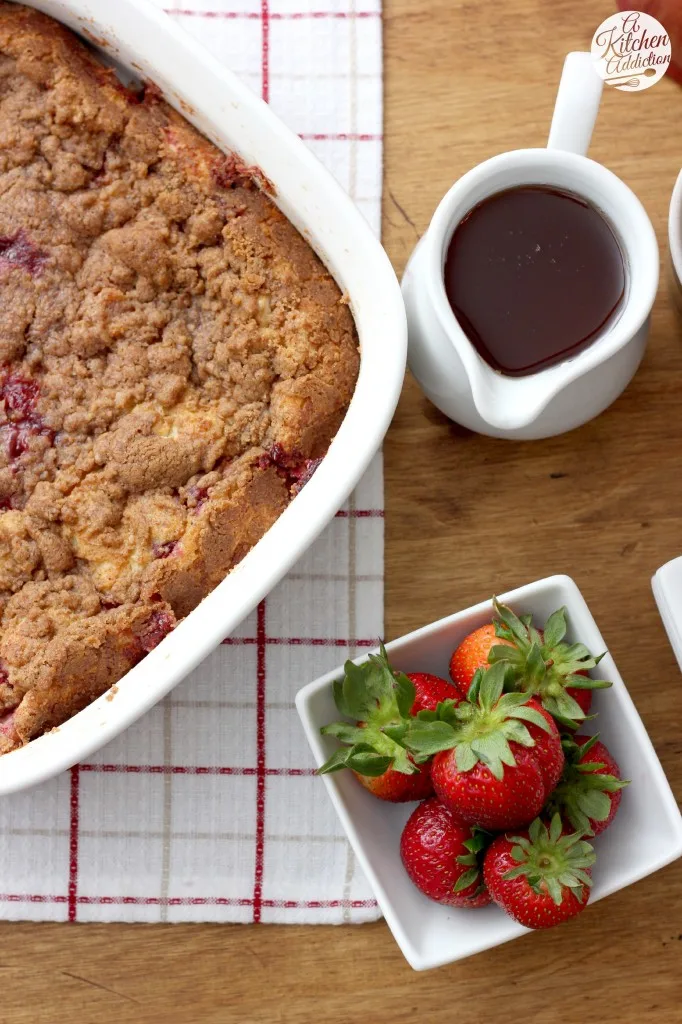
(556, 589)
(143, 38)
(675, 229)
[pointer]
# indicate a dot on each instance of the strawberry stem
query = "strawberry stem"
(378, 699)
(480, 729)
(543, 663)
(582, 796)
(552, 862)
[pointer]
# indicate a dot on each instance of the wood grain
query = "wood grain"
(466, 516)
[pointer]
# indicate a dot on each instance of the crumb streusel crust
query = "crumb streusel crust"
(174, 361)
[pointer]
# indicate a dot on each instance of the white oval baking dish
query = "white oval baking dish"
(147, 41)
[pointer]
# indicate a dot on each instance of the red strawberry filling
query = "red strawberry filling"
(17, 437)
(20, 396)
(158, 626)
(165, 549)
(196, 497)
(7, 724)
(303, 473)
(19, 251)
(296, 470)
(279, 456)
(229, 172)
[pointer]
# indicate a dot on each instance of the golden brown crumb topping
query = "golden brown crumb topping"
(174, 361)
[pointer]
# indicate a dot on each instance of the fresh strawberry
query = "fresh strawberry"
(541, 877)
(489, 769)
(443, 857)
(583, 698)
(397, 787)
(550, 759)
(540, 662)
(588, 795)
(430, 690)
(382, 701)
(472, 654)
(479, 797)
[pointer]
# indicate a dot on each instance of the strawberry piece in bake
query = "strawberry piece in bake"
(19, 251)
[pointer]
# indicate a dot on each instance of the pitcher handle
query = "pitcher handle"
(577, 105)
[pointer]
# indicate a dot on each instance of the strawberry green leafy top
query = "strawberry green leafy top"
(552, 861)
(584, 792)
(479, 728)
(543, 663)
(380, 698)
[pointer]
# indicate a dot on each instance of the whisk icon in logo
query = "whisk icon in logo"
(631, 51)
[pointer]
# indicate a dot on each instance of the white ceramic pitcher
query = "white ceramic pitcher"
(561, 397)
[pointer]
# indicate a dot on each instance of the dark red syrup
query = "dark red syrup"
(533, 275)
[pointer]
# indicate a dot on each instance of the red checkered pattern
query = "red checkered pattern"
(208, 808)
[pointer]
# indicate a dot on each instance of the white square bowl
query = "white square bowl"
(645, 836)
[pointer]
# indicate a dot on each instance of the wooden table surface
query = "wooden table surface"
(466, 516)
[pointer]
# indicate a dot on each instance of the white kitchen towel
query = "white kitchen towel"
(207, 809)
